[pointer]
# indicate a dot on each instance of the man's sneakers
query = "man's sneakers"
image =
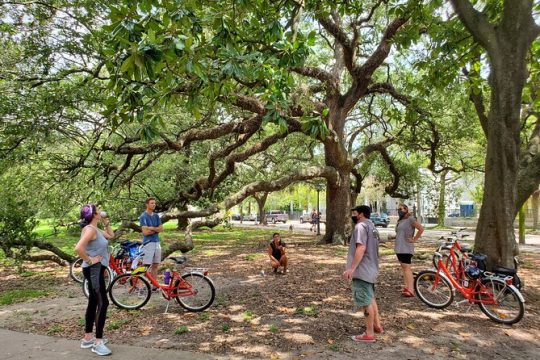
(365, 338)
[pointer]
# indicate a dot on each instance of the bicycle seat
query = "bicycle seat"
(504, 270)
(178, 259)
(466, 250)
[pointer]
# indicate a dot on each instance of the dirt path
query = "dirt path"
(305, 314)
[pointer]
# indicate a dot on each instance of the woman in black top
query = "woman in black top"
(276, 251)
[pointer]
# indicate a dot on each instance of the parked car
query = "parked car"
(381, 215)
(236, 217)
(274, 216)
(380, 220)
(307, 218)
(251, 217)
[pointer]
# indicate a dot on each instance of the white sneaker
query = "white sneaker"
(101, 349)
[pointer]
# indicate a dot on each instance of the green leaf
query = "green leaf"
(127, 65)
(152, 36)
(138, 60)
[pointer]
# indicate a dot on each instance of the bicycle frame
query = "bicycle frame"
(119, 266)
(182, 289)
(457, 262)
(115, 265)
(472, 291)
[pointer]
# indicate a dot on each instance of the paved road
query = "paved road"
(19, 346)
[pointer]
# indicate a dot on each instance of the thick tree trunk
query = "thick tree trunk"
(357, 187)
(261, 201)
(495, 231)
(441, 207)
(354, 198)
(338, 194)
(183, 223)
(338, 209)
(507, 44)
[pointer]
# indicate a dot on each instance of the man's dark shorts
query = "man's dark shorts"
(362, 292)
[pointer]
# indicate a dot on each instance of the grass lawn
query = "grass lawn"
(65, 238)
(11, 296)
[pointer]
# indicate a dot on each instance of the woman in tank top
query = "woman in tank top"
(404, 246)
(93, 248)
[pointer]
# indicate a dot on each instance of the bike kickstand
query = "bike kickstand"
(167, 307)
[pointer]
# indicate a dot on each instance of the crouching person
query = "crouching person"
(276, 251)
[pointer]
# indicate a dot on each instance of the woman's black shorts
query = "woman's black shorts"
(404, 258)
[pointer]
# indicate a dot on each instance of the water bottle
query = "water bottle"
(104, 214)
(167, 276)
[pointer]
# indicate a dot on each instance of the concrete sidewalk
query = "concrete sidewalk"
(19, 346)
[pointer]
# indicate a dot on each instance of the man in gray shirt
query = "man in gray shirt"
(363, 269)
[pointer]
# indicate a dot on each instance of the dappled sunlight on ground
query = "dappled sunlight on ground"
(307, 313)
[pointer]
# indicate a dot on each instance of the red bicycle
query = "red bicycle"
(120, 260)
(456, 259)
(193, 290)
(501, 301)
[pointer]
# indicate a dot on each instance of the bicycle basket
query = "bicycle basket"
(473, 272)
(130, 248)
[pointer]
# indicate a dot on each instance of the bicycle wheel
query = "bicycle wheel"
(434, 294)
(130, 292)
(75, 270)
(108, 275)
(200, 289)
(508, 307)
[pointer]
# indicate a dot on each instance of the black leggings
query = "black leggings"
(96, 311)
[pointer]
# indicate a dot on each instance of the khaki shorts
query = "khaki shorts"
(152, 253)
(362, 292)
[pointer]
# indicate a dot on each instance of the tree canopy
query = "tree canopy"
(204, 104)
